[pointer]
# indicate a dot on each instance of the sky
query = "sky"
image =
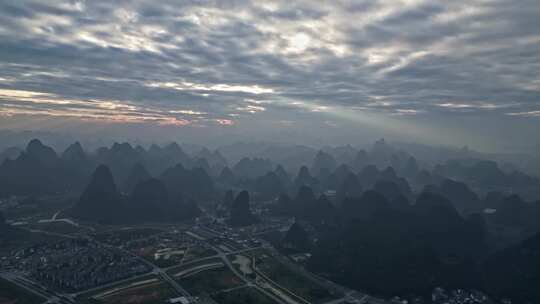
(312, 72)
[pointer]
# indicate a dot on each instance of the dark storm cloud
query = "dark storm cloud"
(195, 62)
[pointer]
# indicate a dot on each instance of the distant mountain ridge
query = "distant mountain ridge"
(150, 200)
(389, 223)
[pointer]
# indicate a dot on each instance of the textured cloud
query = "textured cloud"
(259, 63)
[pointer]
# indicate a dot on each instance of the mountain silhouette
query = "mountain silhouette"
(240, 211)
(149, 201)
(304, 178)
(10, 153)
(44, 155)
(296, 239)
(101, 201)
(269, 186)
(194, 184)
(137, 174)
(34, 171)
(323, 161)
(365, 206)
(514, 272)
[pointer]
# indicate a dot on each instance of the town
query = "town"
(201, 261)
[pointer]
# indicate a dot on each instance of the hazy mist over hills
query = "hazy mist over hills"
(398, 220)
(234, 150)
(269, 152)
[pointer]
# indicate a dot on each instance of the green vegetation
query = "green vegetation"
(247, 295)
(255, 253)
(163, 263)
(41, 207)
(123, 284)
(155, 293)
(59, 227)
(293, 281)
(119, 237)
(210, 281)
(198, 252)
(11, 293)
(173, 271)
(20, 238)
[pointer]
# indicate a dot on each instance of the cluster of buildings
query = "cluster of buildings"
(9, 202)
(77, 264)
(191, 300)
(459, 296)
(163, 240)
(226, 238)
(443, 296)
(168, 248)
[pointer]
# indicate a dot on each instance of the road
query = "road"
(348, 293)
(280, 295)
(36, 288)
(248, 282)
(155, 269)
(194, 270)
(296, 298)
(105, 286)
(266, 286)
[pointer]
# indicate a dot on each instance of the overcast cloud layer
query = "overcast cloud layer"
(455, 72)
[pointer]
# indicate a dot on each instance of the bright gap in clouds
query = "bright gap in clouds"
(299, 43)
